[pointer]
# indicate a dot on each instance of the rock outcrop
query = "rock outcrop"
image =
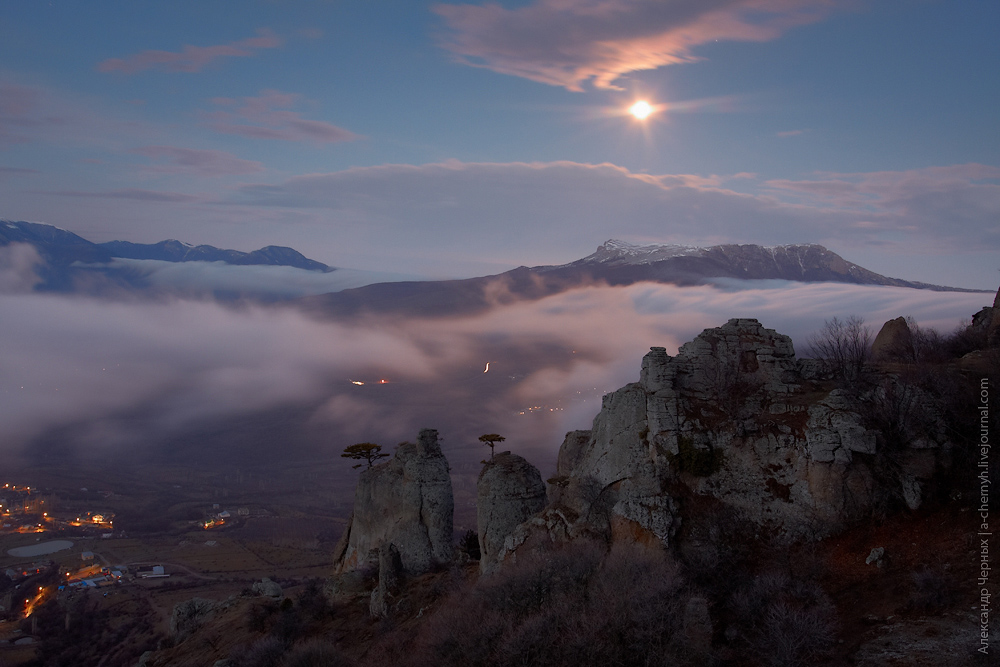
(894, 342)
(510, 490)
(734, 422)
(190, 615)
(267, 588)
(406, 502)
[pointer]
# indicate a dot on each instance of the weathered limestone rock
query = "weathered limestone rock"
(407, 502)
(267, 588)
(894, 342)
(390, 574)
(735, 419)
(190, 615)
(510, 490)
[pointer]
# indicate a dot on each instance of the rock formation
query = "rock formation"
(406, 502)
(509, 491)
(736, 423)
(894, 342)
(268, 588)
(190, 615)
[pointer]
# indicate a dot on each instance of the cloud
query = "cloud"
(958, 205)
(136, 194)
(197, 161)
(267, 117)
(490, 216)
(17, 171)
(31, 113)
(132, 374)
(191, 58)
(569, 42)
(261, 281)
(18, 264)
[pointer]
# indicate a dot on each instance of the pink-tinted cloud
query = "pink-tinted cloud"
(21, 112)
(17, 171)
(131, 193)
(957, 204)
(191, 58)
(268, 116)
(568, 42)
(34, 113)
(196, 161)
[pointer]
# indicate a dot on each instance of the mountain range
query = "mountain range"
(614, 263)
(70, 262)
(66, 255)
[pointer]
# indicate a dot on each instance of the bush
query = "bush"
(469, 545)
(570, 604)
(845, 346)
(316, 653)
(266, 652)
(783, 622)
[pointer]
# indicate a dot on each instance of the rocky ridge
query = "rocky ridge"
(734, 421)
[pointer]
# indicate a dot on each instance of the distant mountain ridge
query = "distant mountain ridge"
(70, 261)
(620, 261)
(614, 263)
(65, 247)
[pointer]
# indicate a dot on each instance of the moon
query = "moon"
(641, 109)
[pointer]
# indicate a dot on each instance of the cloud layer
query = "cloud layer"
(516, 213)
(569, 42)
(107, 375)
(190, 58)
(268, 116)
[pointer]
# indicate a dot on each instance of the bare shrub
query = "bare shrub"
(845, 345)
(266, 652)
(316, 653)
(783, 621)
(932, 590)
(566, 605)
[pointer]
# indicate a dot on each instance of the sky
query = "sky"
(456, 139)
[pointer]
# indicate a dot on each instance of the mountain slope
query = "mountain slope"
(69, 260)
(614, 263)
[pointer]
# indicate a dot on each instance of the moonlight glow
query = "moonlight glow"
(641, 109)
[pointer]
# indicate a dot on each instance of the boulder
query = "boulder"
(894, 342)
(190, 615)
(510, 490)
(268, 588)
(406, 501)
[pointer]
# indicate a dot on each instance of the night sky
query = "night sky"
(447, 140)
(453, 140)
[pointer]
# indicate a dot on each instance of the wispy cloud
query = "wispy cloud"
(958, 204)
(268, 116)
(137, 194)
(196, 161)
(569, 42)
(17, 171)
(190, 58)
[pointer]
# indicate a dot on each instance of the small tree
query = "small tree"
(845, 346)
(364, 451)
(491, 439)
